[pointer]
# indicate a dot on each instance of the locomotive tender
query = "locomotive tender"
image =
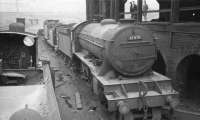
(117, 59)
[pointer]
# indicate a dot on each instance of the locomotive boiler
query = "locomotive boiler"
(128, 49)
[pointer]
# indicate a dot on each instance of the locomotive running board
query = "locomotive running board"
(127, 89)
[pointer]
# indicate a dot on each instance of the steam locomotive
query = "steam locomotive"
(116, 59)
(26, 84)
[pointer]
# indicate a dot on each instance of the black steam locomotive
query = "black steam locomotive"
(117, 59)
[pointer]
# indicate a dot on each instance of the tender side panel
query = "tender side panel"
(64, 44)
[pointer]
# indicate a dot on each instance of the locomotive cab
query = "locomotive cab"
(18, 53)
(26, 89)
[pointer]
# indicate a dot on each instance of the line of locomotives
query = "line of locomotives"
(26, 87)
(116, 59)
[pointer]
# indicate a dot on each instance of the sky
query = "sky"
(64, 10)
(43, 5)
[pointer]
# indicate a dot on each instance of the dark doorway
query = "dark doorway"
(188, 74)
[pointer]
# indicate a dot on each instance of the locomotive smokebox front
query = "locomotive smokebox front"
(129, 49)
